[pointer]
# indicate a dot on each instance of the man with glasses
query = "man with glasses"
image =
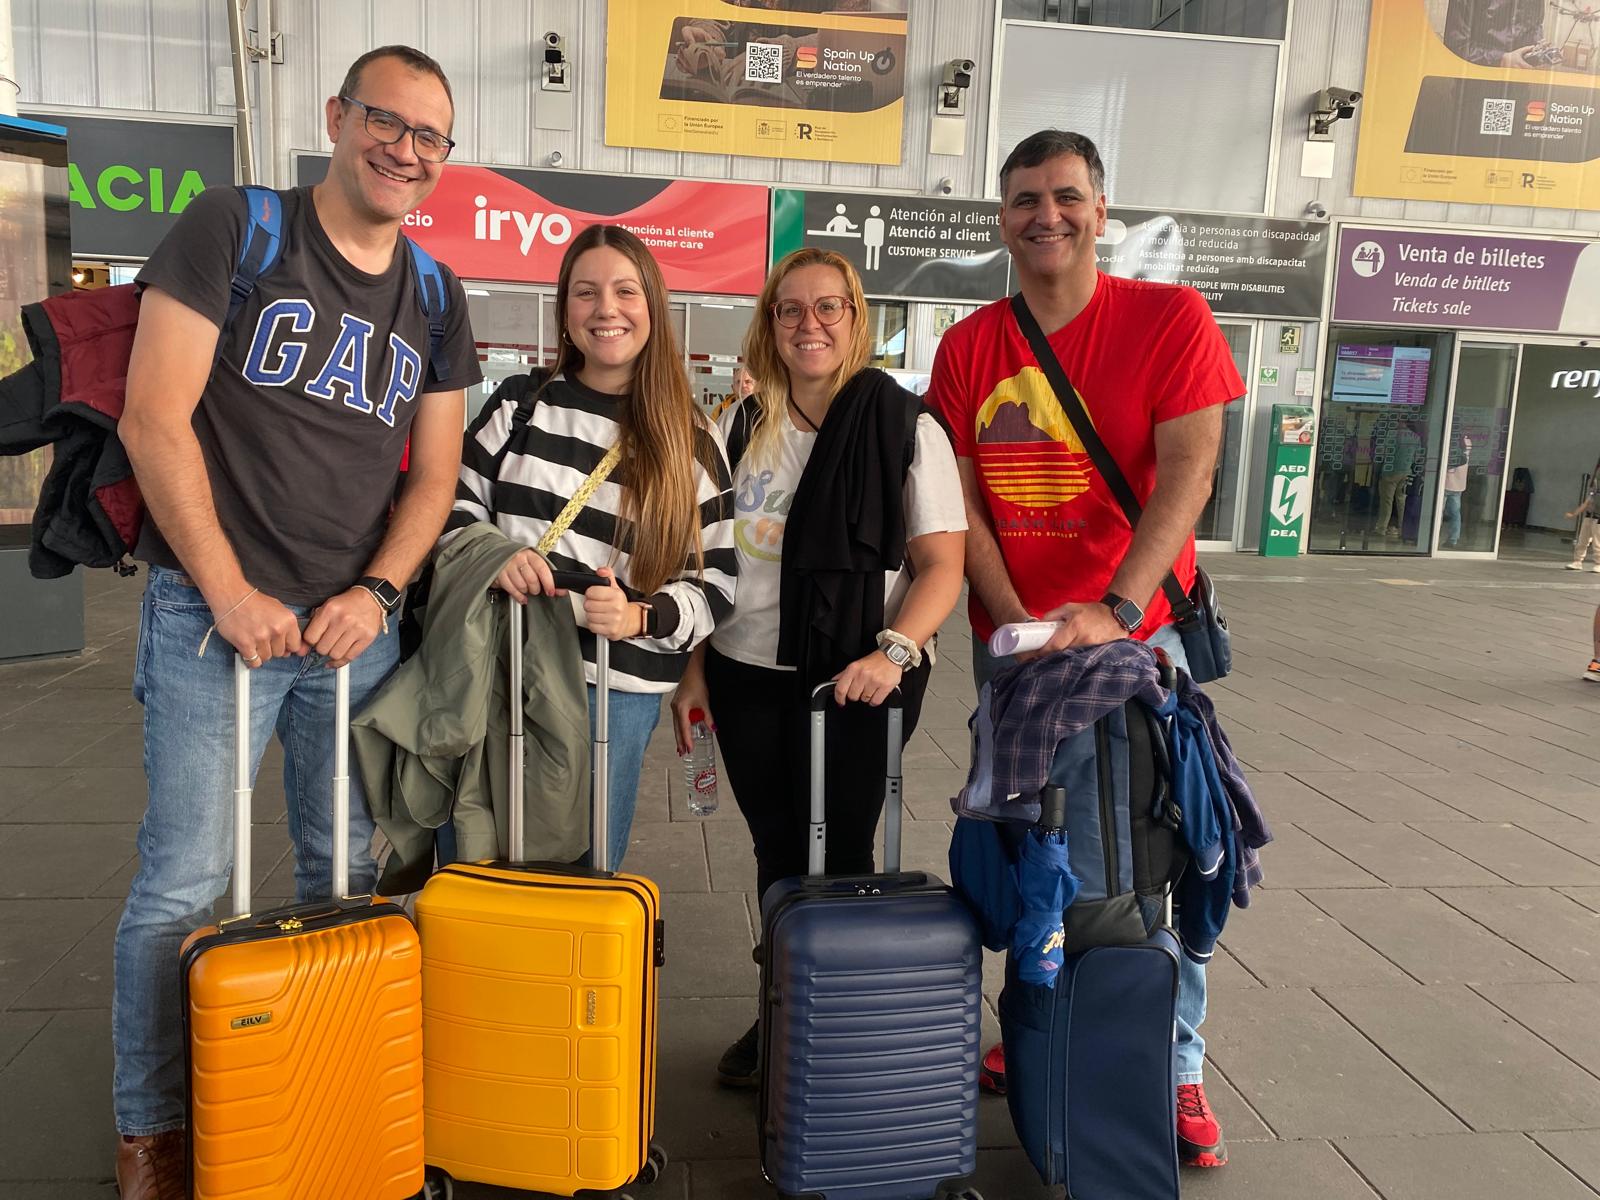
(268, 458)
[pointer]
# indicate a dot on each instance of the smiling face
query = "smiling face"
(1051, 216)
(387, 182)
(812, 351)
(607, 314)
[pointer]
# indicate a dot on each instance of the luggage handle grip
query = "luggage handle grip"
(894, 815)
(819, 697)
(578, 581)
(340, 873)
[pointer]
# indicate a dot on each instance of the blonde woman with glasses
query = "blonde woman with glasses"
(849, 531)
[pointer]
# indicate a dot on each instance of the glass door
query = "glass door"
(1474, 466)
(1379, 440)
(1215, 530)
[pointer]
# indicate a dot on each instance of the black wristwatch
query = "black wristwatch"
(385, 593)
(1128, 614)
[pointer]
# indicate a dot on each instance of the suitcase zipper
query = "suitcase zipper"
(1108, 812)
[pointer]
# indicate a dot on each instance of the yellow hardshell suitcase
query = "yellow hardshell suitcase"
(539, 990)
(304, 1028)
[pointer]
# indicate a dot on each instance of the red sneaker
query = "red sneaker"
(992, 1070)
(1199, 1135)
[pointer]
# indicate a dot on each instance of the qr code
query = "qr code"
(763, 62)
(1497, 116)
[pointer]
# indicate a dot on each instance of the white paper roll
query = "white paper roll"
(1020, 637)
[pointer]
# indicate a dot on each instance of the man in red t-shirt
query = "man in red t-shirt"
(1046, 539)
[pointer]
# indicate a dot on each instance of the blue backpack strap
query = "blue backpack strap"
(435, 301)
(263, 242)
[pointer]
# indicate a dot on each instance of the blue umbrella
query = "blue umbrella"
(1046, 886)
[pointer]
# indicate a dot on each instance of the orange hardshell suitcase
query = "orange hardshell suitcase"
(304, 1028)
(539, 989)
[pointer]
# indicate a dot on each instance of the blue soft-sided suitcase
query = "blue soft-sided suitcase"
(1089, 1071)
(870, 1022)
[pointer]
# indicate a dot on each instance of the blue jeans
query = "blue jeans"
(186, 839)
(1191, 1054)
(633, 718)
(1451, 533)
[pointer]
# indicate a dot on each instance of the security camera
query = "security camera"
(953, 87)
(554, 71)
(1331, 104)
(958, 73)
(944, 186)
(1316, 211)
(1342, 98)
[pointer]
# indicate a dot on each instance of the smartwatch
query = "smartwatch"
(1128, 614)
(385, 593)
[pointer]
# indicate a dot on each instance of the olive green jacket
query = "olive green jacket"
(432, 745)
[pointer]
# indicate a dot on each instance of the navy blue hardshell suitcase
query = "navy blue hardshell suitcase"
(870, 1021)
(1090, 1071)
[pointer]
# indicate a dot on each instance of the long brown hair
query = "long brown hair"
(660, 424)
(767, 367)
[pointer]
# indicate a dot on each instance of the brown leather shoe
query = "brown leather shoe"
(152, 1168)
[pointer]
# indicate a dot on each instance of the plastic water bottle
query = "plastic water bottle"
(700, 766)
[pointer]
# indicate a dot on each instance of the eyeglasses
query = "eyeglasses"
(388, 129)
(830, 310)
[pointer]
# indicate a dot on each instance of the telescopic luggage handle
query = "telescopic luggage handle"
(241, 786)
(516, 835)
(816, 855)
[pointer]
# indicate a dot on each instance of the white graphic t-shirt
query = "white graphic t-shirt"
(762, 493)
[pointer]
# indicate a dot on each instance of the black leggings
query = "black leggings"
(764, 732)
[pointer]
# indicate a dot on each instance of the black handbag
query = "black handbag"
(1196, 614)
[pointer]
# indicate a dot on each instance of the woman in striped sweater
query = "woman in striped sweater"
(659, 526)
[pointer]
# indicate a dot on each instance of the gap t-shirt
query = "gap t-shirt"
(307, 413)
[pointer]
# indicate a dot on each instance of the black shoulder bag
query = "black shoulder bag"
(1197, 615)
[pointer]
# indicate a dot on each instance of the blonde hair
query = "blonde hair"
(660, 424)
(767, 367)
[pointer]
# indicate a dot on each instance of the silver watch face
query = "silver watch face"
(897, 654)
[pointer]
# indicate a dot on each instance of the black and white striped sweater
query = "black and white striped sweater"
(519, 466)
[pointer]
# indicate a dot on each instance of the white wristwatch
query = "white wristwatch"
(899, 649)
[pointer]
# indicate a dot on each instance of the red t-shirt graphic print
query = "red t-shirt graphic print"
(1139, 354)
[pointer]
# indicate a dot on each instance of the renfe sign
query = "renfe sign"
(513, 226)
(128, 180)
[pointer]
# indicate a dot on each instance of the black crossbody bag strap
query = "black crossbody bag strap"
(1183, 608)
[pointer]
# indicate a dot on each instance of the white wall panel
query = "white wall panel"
(63, 31)
(134, 55)
(183, 37)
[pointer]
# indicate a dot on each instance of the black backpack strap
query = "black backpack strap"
(1072, 405)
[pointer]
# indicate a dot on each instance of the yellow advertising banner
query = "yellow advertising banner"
(1482, 102)
(801, 79)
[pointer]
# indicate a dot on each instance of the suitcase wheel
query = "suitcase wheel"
(437, 1185)
(654, 1164)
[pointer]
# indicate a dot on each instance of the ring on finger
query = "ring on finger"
(252, 658)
